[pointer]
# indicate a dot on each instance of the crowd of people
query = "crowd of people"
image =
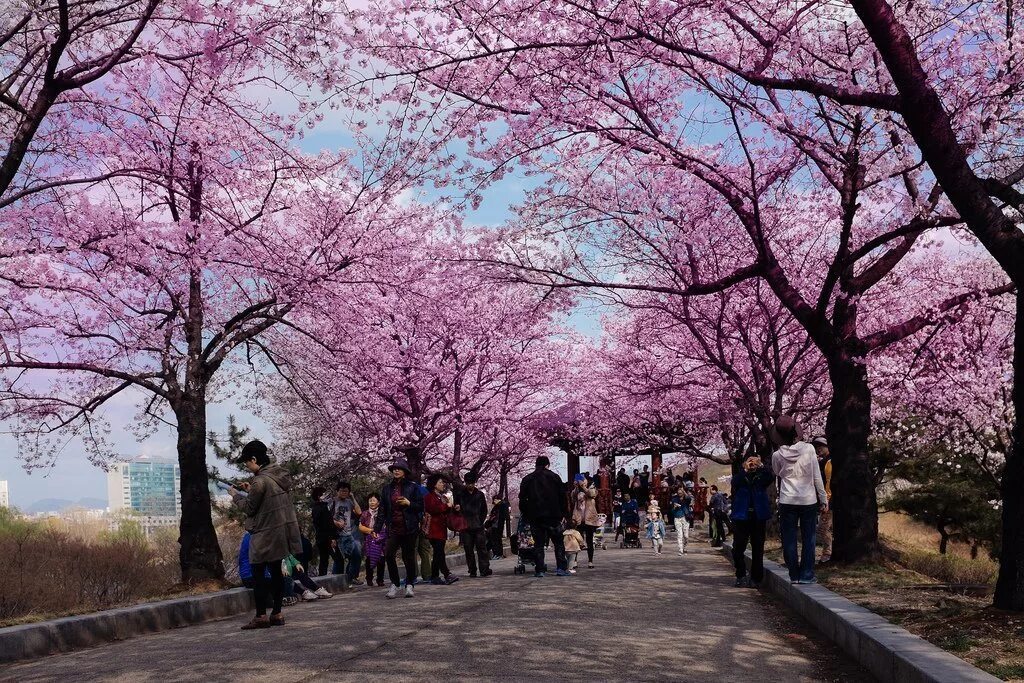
(414, 520)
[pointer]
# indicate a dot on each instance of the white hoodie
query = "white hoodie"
(797, 468)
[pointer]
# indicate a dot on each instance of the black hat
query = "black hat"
(785, 431)
(401, 464)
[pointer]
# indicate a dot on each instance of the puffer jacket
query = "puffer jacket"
(584, 506)
(270, 516)
(412, 514)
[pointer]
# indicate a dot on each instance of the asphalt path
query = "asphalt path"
(635, 616)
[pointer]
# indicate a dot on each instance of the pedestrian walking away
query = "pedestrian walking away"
(750, 513)
(801, 497)
(401, 504)
(542, 502)
(273, 527)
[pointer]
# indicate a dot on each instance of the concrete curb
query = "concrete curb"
(892, 654)
(29, 641)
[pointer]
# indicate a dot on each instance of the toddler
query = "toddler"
(573, 541)
(656, 531)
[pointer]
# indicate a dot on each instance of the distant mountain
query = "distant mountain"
(59, 504)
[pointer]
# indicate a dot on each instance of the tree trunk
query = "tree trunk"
(1010, 584)
(855, 507)
(200, 554)
(414, 456)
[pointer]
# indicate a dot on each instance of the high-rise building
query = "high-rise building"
(5, 496)
(147, 489)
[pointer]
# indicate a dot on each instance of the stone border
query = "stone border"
(30, 641)
(892, 654)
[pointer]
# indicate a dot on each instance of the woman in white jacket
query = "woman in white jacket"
(801, 496)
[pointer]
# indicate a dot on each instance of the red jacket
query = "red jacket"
(437, 507)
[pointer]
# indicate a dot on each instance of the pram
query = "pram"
(599, 542)
(524, 549)
(631, 531)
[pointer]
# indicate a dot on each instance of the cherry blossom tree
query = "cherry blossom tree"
(186, 228)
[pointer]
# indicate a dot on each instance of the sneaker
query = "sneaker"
(289, 601)
(309, 595)
(539, 575)
(408, 592)
(323, 593)
(680, 553)
(741, 582)
(806, 582)
(380, 583)
(276, 620)
(257, 622)
(487, 573)
(472, 575)
(562, 572)
(356, 582)
(392, 592)
(573, 572)
(450, 579)
(590, 565)
(438, 582)
(825, 558)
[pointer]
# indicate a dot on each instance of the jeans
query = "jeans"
(543, 531)
(752, 531)
(302, 578)
(407, 542)
(474, 540)
(326, 553)
(348, 548)
(264, 586)
(801, 568)
(438, 562)
(570, 558)
(682, 533)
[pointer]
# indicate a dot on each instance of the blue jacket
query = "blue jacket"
(244, 568)
(751, 490)
(630, 512)
(683, 509)
(413, 513)
(650, 528)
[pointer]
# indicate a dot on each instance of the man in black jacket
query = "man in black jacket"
(542, 500)
(326, 532)
(471, 502)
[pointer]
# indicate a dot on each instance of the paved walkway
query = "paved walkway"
(636, 616)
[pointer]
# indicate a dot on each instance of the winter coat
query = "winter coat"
(542, 496)
(799, 476)
(270, 516)
(412, 514)
(323, 522)
(750, 490)
(573, 540)
(473, 507)
(437, 507)
(584, 506)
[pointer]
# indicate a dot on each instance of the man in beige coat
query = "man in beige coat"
(273, 527)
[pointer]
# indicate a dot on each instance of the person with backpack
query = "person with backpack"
(401, 509)
(273, 527)
(801, 497)
(542, 502)
(751, 511)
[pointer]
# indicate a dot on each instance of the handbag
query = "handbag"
(456, 522)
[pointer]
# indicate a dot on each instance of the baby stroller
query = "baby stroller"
(631, 534)
(599, 542)
(524, 549)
